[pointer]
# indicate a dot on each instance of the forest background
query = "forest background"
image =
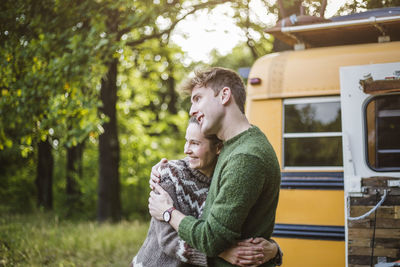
(88, 103)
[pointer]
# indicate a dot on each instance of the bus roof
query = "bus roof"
(364, 27)
(312, 72)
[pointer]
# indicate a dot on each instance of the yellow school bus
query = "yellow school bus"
(295, 98)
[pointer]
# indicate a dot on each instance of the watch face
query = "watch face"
(166, 216)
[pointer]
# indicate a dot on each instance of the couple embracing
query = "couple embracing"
(217, 206)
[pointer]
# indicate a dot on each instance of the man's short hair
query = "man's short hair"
(217, 78)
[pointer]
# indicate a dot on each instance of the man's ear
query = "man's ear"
(226, 94)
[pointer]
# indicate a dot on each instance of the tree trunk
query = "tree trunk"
(323, 8)
(173, 96)
(109, 203)
(286, 9)
(44, 175)
(74, 175)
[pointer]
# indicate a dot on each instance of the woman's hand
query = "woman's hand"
(159, 201)
(155, 174)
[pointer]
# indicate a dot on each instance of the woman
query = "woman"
(187, 181)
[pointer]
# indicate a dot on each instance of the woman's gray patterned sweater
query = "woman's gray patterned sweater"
(188, 189)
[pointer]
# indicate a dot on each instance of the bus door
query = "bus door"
(370, 97)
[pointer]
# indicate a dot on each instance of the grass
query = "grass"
(44, 240)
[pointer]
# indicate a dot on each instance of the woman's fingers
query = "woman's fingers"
(155, 174)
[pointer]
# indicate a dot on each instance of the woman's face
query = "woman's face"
(201, 152)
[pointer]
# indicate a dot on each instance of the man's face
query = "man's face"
(207, 109)
(202, 154)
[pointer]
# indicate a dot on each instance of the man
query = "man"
(244, 190)
(187, 182)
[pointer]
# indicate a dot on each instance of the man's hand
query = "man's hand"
(159, 202)
(250, 252)
(155, 174)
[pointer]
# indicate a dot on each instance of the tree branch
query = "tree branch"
(281, 8)
(323, 8)
(168, 31)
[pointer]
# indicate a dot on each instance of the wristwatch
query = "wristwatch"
(167, 214)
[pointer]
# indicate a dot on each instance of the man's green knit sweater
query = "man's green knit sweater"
(242, 199)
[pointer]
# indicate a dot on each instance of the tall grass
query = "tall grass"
(44, 240)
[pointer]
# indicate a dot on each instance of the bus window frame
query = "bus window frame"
(308, 100)
(365, 134)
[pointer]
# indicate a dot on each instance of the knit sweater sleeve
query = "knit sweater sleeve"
(168, 238)
(239, 187)
(174, 246)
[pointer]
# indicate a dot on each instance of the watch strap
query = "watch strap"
(170, 210)
(277, 260)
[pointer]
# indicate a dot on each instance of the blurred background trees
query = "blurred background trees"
(88, 99)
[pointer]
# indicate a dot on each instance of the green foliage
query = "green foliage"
(51, 64)
(45, 240)
(149, 129)
(241, 55)
(16, 182)
(286, 8)
(85, 208)
(253, 29)
(53, 56)
(49, 67)
(358, 6)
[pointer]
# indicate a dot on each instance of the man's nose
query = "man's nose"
(193, 111)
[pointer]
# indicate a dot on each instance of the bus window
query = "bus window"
(383, 133)
(312, 134)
